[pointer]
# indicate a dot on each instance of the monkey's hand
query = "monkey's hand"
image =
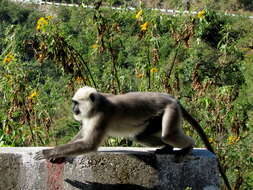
(49, 154)
(44, 154)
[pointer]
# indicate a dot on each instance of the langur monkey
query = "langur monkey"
(150, 118)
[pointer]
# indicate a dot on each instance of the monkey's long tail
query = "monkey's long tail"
(205, 139)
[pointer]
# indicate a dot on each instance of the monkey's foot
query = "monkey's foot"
(169, 150)
(165, 150)
(183, 151)
(180, 154)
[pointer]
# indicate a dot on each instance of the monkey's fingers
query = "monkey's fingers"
(39, 156)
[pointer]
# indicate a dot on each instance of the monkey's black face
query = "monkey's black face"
(75, 107)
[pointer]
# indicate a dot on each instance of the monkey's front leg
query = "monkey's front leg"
(62, 151)
(95, 133)
(51, 154)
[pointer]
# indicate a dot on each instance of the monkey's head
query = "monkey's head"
(83, 102)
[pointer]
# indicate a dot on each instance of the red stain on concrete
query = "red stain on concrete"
(55, 176)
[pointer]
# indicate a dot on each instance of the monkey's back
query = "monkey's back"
(133, 111)
(141, 105)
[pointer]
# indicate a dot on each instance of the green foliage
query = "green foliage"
(26, 112)
(204, 60)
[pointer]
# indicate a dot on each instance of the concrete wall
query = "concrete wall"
(109, 169)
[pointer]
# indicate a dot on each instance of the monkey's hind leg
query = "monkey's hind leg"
(172, 133)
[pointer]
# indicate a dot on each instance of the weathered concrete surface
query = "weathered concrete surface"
(109, 169)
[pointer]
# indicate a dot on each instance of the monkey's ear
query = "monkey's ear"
(93, 97)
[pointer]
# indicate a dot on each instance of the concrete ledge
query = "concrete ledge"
(109, 169)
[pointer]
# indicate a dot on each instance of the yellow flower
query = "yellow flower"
(140, 75)
(79, 80)
(8, 58)
(144, 26)
(40, 57)
(154, 70)
(201, 14)
(42, 46)
(43, 22)
(49, 17)
(211, 140)
(139, 14)
(95, 46)
(32, 95)
(233, 140)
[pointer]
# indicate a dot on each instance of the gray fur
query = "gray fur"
(151, 118)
